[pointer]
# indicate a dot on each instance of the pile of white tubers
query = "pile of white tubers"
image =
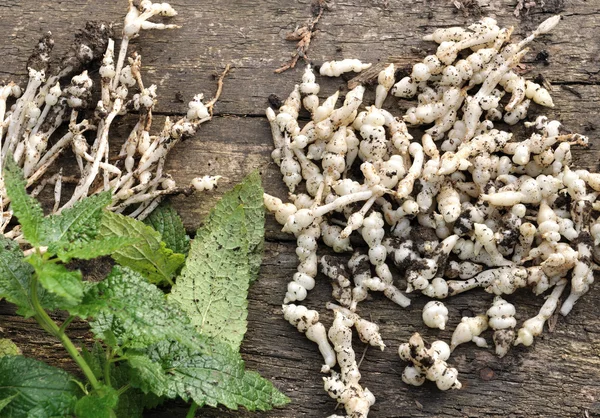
(467, 205)
(30, 128)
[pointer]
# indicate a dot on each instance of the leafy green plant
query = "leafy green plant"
(147, 348)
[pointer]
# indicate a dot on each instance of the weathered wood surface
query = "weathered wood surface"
(558, 377)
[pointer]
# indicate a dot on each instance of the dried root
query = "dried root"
(29, 132)
(304, 36)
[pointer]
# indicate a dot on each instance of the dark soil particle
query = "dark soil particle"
(543, 56)
(421, 233)
(39, 58)
(93, 38)
(274, 101)
(563, 200)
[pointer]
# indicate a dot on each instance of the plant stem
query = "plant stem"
(123, 389)
(65, 324)
(109, 356)
(192, 412)
(48, 324)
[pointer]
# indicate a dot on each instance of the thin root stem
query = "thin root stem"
(210, 104)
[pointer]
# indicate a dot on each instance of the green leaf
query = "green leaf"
(223, 261)
(56, 407)
(133, 401)
(76, 225)
(212, 374)
(135, 313)
(166, 221)
(146, 373)
(95, 359)
(149, 255)
(8, 348)
(6, 401)
(248, 193)
(94, 249)
(15, 276)
(34, 382)
(213, 286)
(56, 279)
(15, 280)
(27, 210)
(99, 404)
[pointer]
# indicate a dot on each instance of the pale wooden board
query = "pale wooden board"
(558, 377)
(250, 36)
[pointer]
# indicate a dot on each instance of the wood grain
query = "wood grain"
(558, 377)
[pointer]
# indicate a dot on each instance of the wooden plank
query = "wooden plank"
(251, 38)
(559, 376)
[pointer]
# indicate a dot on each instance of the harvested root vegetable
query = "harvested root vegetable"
(501, 318)
(428, 363)
(469, 329)
(435, 315)
(467, 205)
(31, 118)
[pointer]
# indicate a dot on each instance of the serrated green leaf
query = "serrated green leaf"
(27, 210)
(75, 226)
(167, 222)
(248, 193)
(148, 255)
(56, 279)
(94, 249)
(56, 407)
(6, 401)
(211, 373)
(99, 404)
(213, 285)
(95, 359)
(255, 387)
(34, 382)
(223, 260)
(133, 401)
(15, 280)
(146, 375)
(15, 276)
(135, 313)
(8, 348)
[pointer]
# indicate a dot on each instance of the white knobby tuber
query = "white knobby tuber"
(345, 386)
(428, 363)
(502, 321)
(307, 321)
(337, 68)
(469, 329)
(368, 331)
(533, 326)
(468, 205)
(435, 315)
(385, 81)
